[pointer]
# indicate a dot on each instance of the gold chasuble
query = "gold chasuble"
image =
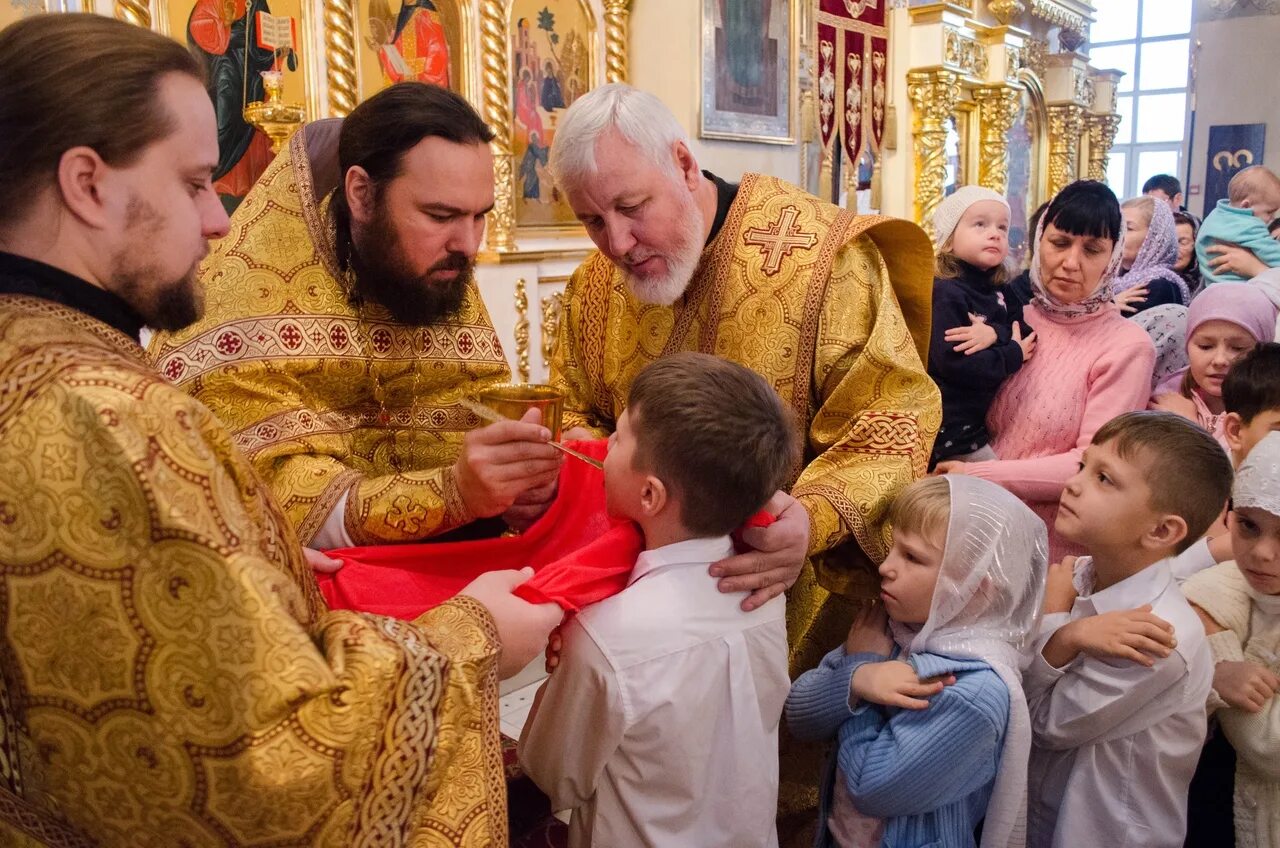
(170, 673)
(812, 297)
(336, 406)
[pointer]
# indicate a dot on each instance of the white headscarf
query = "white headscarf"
(1257, 482)
(987, 606)
(1099, 299)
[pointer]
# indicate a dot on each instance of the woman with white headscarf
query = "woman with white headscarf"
(932, 725)
(1091, 364)
(1147, 278)
(1239, 603)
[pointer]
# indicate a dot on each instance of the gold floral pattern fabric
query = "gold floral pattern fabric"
(808, 295)
(170, 673)
(330, 402)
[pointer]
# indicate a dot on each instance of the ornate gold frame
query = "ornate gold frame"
(794, 23)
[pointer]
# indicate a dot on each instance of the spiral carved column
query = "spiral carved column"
(1102, 134)
(615, 40)
(1066, 123)
(998, 109)
(496, 86)
(136, 12)
(933, 97)
(340, 56)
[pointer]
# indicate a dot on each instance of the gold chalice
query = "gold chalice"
(515, 399)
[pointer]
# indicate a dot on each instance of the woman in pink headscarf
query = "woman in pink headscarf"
(1224, 322)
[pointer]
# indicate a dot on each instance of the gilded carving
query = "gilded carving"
(998, 109)
(1082, 87)
(933, 95)
(1066, 124)
(136, 12)
(1049, 10)
(1034, 57)
(1102, 134)
(1006, 10)
(1015, 60)
(964, 53)
(340, 56)
(552, 306)
(500, 235)
(522, 331)
(615, 40)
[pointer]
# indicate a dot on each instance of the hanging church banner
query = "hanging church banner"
(853, 59)
(1232, 148)
(552, 65)
(748, 70)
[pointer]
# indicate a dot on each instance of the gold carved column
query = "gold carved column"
(136, 12)
(500, 235)
(1066, 123)
(340, 55)
(933, 95)
(615, 40)
(1102, 134)
(998, 109)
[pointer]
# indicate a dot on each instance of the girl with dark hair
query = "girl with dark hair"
(1091, 363)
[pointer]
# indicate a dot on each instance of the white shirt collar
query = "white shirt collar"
(689, 552)
(1130, 593)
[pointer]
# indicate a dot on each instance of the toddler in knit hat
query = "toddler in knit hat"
(979, 339)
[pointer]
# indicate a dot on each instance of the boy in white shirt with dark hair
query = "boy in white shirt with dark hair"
(659, 726)
(1118, 682)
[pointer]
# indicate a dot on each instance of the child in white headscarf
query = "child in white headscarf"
(1239, 603)
(932, 725)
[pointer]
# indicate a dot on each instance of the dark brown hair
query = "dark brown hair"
(72, 80)
(381, 130)
(716, 433)
(1252, 385)
(1187, 470)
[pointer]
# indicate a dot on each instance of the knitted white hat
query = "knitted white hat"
(952, 208)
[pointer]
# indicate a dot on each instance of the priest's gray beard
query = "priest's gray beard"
(682, 261)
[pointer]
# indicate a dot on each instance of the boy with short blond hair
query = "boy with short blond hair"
(659, 726)
(1118, 682)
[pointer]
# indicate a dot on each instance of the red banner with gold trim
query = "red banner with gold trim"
(853, 59)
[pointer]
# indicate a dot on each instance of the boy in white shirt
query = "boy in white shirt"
(659, 726)
(1118, 682)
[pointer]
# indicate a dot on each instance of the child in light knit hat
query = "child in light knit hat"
(978, 336)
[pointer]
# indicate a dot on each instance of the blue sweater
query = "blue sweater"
(928, 773)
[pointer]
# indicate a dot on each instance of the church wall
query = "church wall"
(1235, 84)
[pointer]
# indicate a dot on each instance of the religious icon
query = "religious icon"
(225, 35)
(748, 78)
(550, 69)
(1232, 148)
(411, 45)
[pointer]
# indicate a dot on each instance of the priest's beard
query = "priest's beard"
(383, 274)
(136, 274)
(681, 260)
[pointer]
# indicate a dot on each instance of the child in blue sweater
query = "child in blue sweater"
(931, 723)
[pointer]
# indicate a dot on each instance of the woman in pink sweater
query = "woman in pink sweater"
(1091, 363)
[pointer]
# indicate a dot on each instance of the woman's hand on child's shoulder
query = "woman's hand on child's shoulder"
(895, 684)
(977, 335)
(870, 631)
(1245, 685)
(1126, 299)
(1059, 588)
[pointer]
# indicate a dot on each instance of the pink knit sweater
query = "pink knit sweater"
(1086, 371)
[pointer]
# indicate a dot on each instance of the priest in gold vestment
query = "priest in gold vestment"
(832, 307)
(341, 388)
(169, 674)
